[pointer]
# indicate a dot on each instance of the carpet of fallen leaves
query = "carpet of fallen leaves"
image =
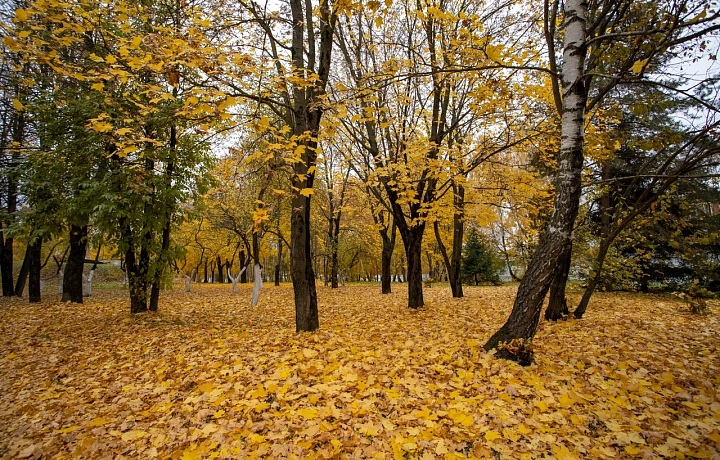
(210, 377)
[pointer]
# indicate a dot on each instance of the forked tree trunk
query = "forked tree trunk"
(34, 266)
(454, 260)
(523, 321)
(73, 277)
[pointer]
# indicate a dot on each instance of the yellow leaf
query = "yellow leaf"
(21, 14)
(440, 449)
(96, 58)
(219, 413)
(136, 42)
(308, 352)
(206, 387)
(639, 65)
(306, 192)
(97, 422)
(541, 405)
(522, 429)
(492, 435)
(563, 453)
(308, 413)
(11, 356)
(132, 435)
(101, 127)
(18, 105)
(110, 59)
(632, 450)
(98, 87)
(67, 430)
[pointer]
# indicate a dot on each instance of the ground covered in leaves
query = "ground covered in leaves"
(210, 377)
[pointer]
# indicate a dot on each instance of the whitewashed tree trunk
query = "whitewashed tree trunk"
(42, 285)
(88, 283)
(188, 279)
(257, 275)
(62, 279)
(235, 279)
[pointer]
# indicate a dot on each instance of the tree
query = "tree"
(605, 43)
(480, 263)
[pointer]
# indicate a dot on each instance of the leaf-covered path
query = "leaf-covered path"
(209, 377)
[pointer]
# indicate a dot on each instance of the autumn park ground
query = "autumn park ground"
(210, 377)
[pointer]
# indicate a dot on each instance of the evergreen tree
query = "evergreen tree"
(480, 263)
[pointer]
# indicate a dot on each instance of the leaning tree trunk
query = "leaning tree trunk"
(594, 278)
(73, 275)
(557, 308)
(523, 321)
(23, 275)
(34, 255)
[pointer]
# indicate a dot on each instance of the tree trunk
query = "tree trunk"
(388, 246)
(34, 255)
(7, 261)
(279, 261)
(594, 278)
(334, 261)
(73, 279)
(301, 269)
(413, 252)
(454, 260)
(243, 264)
(557, 308)
(23, 275)
(523, 321)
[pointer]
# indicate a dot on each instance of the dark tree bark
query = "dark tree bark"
(23, 275)
(413, 252)
(244, 263)
(557, 308)
(278, 265)
(7, 259)
(220, 278)
(388, 246)
(34, 266)
(72, 280)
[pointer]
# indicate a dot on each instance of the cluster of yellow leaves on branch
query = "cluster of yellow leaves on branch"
(210, 377)
(133, 57)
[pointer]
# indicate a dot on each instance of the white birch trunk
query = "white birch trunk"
(257, 275)
(525, 316)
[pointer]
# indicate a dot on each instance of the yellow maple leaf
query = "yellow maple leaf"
(492, 435)
(18, 105)
(21, 14)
